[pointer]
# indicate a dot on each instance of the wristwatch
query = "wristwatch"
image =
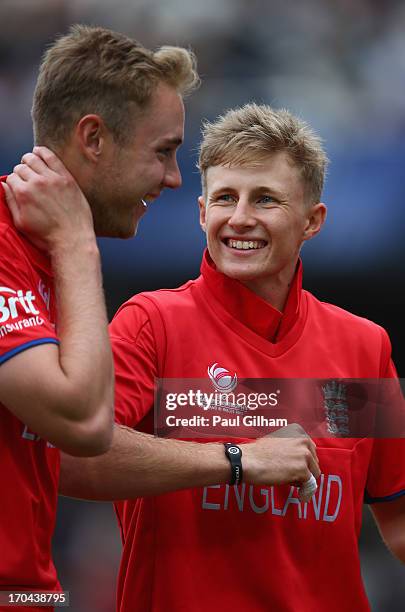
(234, 454)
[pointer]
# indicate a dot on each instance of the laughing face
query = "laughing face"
(126, 176)
(256, 219)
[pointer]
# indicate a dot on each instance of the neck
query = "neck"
(274, 289)
(74, 164)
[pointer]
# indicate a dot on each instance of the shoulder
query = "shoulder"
(7, 230)
(165, 298)
(14, 261)
(341, 317)
(161, 300)
(19, 257)
(142, 309)
(337, 320)
(12, 243)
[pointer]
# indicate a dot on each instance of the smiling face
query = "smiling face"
(256, 219)
(140, 170)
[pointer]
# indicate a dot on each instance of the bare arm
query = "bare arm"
(65, 393)
(139, 464)
(390, 519)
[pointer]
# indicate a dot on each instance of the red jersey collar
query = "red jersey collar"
(250, 309)
(35, 255)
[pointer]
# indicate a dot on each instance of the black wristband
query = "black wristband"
(234, 454)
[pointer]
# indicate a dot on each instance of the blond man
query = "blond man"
(108, 119)
(201, 530)
(230, 539)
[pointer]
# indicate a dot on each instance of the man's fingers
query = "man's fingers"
(294, 430)
(12, 203)
(313, 461)
(307, 489)
(35, 163)
(14, 182)
(314, 466)
(312, 448)
(51, 160)
(23, 171)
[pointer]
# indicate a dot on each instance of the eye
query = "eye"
(266, 200)
(228, 198)
(165, 152)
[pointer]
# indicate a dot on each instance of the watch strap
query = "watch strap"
(234, 454)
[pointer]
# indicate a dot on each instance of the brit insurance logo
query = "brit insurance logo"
(13, 304)
(11, 299)
(222, 379)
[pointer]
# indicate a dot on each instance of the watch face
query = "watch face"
(233, 450)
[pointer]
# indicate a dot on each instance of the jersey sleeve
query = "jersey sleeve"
(387, 367)
(24, 318)
(386, 473)
(135, 362)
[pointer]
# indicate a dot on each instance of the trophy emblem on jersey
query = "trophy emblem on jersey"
(222, 378)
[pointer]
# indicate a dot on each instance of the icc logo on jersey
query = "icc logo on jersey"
(222, 379)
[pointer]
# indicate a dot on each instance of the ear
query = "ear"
(91, 134)
(315, 219)
(201, 204)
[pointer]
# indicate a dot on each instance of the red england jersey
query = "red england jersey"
(29, 466)
(249, 547)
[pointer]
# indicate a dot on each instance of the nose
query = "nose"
(242, 216)
(172, 178)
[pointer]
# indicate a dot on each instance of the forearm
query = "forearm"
(139, 464)
(84, 355)
(390, 519)
(70, 390)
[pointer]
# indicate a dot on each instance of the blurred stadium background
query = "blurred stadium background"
(340, 65)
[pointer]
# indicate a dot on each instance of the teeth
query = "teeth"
(245, 244)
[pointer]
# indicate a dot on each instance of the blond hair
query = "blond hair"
(95, 70)
(248, 135)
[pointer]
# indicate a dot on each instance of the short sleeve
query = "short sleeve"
(387, 367)
(24, 316)
(135, 362)
(386, 474)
